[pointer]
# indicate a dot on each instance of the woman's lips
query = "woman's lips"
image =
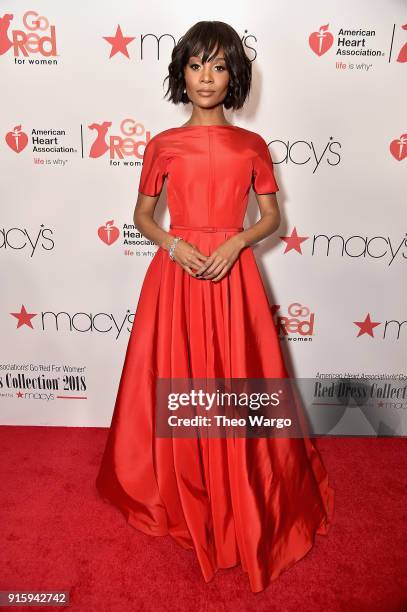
(205, 93)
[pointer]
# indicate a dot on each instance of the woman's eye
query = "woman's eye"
(222, 68)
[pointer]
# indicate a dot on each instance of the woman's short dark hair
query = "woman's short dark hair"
(203, 36)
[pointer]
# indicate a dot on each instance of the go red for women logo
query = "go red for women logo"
(129, 142)
(37, 38)
(298, 321)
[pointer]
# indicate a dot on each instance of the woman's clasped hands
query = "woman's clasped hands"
(208, 267)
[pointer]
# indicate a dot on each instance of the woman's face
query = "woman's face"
(207, 83)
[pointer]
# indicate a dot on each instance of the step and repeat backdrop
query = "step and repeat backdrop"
(83, 92)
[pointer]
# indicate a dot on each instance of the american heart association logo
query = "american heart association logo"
(321, 41)
(398, 147)
(108, 233)
(17, 140)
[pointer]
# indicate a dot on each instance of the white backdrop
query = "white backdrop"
(335, 120)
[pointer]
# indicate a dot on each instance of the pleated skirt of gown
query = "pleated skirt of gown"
(257, 502)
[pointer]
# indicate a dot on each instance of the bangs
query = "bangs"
(203, 43)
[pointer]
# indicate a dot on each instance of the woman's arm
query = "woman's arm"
(267, 224)
(143, 218)
(186, 254)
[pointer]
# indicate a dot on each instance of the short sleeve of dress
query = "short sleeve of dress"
(263, 179)
(153, 170)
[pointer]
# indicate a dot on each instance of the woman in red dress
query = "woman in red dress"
(203, 312)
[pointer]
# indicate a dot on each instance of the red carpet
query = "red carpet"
(57, 534)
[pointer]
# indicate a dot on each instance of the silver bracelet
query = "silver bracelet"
(172, 247)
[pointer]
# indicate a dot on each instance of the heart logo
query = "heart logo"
(320, 42)
(108, 233)
(398, 148)
(17, 140)
(402, 56)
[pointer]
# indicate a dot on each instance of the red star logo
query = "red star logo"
(294, 241)
(366, 326)
(19, 394)
(24, 318)
(119, 43)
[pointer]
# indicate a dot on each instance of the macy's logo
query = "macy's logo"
(354, 246)
(31, 41)
(82, 322)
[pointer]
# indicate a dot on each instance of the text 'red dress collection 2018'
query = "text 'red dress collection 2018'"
(256, 502)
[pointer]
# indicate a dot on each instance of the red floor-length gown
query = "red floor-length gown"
(260, 501)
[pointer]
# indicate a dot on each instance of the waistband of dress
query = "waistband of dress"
(198, 228)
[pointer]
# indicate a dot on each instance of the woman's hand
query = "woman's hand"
(188, 256)
(221, 259)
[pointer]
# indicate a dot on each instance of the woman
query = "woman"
(203, 312)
